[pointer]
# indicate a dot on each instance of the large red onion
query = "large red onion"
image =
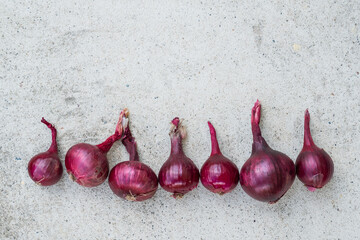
(178, 174)
(314, 167)
(87, 164)
(132, 180)
(218, 174)
(267, 174)
(45, 168)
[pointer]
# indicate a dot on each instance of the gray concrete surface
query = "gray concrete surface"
(78, 63)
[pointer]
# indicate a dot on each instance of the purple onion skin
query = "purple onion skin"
(45, 168)
(132, 180)
(268, 174)
(87, 164)
(314, 167)
(178, 175)
(218, 174)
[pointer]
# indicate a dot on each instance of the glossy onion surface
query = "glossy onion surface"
(87, 164)
(314, 167)
(45, 168)
(132, 180)
(179, 174)
(218, 174)
(268, 174)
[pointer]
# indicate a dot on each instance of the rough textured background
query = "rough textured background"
(78, 63)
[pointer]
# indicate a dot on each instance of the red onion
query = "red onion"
(132, 180)
(218, 174)
(87, 164)
(45, 168)
(314, 166)
(178, 174)
(267, 174)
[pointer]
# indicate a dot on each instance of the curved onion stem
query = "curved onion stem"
(53, 147)
(214, 142)
(45, 168)
(130, 143)
(107, 144)
(308, 141)
(258, 141)
(255, 120)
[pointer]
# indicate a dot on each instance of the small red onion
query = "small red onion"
(87, 164)
(45, 168)
(178, 175)
(267, 174)
(314, 167)
(218, 174)
(132, 180)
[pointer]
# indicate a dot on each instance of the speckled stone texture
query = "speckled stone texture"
(78, 63)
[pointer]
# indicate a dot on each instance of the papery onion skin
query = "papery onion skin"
(45, 168)
(178, 175)
(268, 174)
(218, 174)
(314, 167)
(87, 164)
(132, 180)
